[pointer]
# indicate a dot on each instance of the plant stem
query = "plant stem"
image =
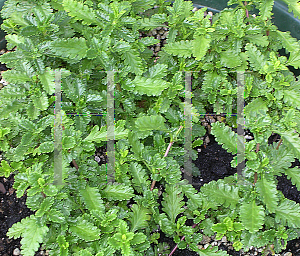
(176, 246)
(279, 143)
(167, 152)
(247, 12)
(255, 174)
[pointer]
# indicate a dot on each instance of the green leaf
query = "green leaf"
(73, 49)
(47, 80)
(191, 193)
(32, 234)
(221, 193)
(13, 76)
(172, 202)
(68, 142)
(292, 140)
(5, 169)
(268, 192)
(258, 39)
(149, 123)
(46, 147)
(151, 87)
(292, 97)
(118, 192)
(63, 244)
(56, 216)
(98, 136)
(252, 216)
(289, 213)
(139, 177)
(265, 8)
(294, 175)
(289, 43)
(200, 46)
(294, 59)
(256, 106)
(230, 59)
(80, 11)
(257, 60)
(85, 230)
(92, 199)
(294, 6)
(225, 136)
(45, 206)
(181, 49)
(40, 102)
(133, 60)
(139, 217)
(158, 71)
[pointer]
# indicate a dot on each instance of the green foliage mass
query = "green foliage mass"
(89, 54)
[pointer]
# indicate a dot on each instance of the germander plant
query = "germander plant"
(83, 40)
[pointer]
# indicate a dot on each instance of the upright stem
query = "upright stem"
(176, 246)
(279, 143)
(247, 12)
(255, 174)
(167, 152)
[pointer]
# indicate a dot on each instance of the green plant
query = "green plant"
(84, 40)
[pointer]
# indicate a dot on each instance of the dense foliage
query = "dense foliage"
(82, 40)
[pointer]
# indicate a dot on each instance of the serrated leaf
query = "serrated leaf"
(40, 102)
(230, 59)
(149, 123)
(252, 216)
(139, 217)
(56, 216)
(292, 141)
(221, 193)
(257, 60)
(46, 147)
(265, 8)
(191, 193)
(92, 199)
(13, 76)
(292, 97)
(139, 177)
(289, 43)
(118, 192)
(258, 39)
(172, 202)
(47, 80)
(32, 234)
(200, 46)
(85, 230)
(73, 49)
(5, 169)
(289, 213)
(294, 6)
(256, 106)
(180, 49)
(45, 206)
(68, 142)
(294, 175)
(158, 71)
(133, 60)
(79, 11)
(268, 192)
(225, 136)
(294, 59)
(151, 87)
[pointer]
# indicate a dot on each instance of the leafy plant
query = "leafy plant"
(79, 43)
